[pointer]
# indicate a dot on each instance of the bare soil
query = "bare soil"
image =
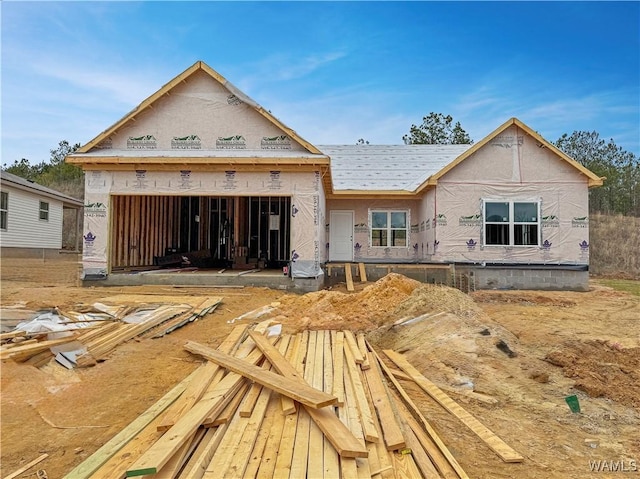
(563, 343)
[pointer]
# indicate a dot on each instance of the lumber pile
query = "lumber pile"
(315, 404)
(131, 316)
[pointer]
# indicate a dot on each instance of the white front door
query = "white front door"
(341, 236)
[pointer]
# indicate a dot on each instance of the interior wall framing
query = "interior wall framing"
(145, 227)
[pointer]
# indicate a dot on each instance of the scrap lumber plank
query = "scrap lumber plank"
(86, 469)
(171, 469)
(288, 404)
(420, 456)
(292, 388)
(315, 457)
(118, 464)
(287, 443)
(391, 432)
(265, 452)
(27, 466)
(361, 464)
(405, 467)
(22, 353)
(210, 405)
(243, 445)
(197, 465)
(348, 276)
(7, 346)
(251, 398)
(363, 272)
(362, 347)
(161, 452)
(299, 459)
(368, 428)
(331, 457)
(198, 386)
(12, 334)
(502, 449)
(352, 344)
(438, 460)
(425, 424)
(341, 438)
(230, 409)
(338, 366)
(161, 315)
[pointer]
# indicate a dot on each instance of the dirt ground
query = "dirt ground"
(561, 343)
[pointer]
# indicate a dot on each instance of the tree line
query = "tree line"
(620, 193)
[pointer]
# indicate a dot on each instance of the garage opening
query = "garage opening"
(242, 232)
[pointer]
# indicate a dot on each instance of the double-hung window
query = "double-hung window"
(511, 223)
(4, 209)
(389, 228)
(44, 211)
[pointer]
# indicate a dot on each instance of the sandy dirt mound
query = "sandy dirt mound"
(366, 310)
(601, 369)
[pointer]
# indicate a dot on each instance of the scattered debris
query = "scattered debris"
(504, 347)
(26, 467)
(222, 425)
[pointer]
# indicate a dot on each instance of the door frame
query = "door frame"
(331, 232)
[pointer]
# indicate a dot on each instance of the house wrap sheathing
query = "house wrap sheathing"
(201, 171)
(199, 166)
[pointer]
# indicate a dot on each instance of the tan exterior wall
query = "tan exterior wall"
(363, 249)
(512, 167)
(201, 107)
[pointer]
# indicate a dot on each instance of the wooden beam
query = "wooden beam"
(366, 419)
(348, 276)
(363, 272)
(425, 424)
(339, 436)
(86, 469)
(27, 466)
(196, 388)
(392, 433)
(292, 388)
(502, 449)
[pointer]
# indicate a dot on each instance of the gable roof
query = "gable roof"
(24, 184)
(166, 89)
(592, 178)
(407, 170)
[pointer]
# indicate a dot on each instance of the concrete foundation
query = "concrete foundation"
(273, 279)
(548, 278)
(40, 253)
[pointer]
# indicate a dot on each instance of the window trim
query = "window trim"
(4, 211)
(42, 210)
(512, 222)
(389, 229)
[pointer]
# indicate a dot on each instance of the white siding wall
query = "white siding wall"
(24, 227)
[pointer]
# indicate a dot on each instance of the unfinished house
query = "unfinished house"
(200, 177)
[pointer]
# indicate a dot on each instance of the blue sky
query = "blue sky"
(334, 72)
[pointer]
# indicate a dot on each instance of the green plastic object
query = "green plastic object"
(573, 403)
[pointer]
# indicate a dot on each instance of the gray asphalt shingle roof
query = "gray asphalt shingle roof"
(387, 167)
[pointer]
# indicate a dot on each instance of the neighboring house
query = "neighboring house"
(31, 217)
(199, 169)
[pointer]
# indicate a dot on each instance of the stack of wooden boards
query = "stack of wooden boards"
(311, 405)
(130, 317)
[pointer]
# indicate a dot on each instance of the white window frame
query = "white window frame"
(389, 229)
(512, 222)
(4, 210)
(43, 213)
